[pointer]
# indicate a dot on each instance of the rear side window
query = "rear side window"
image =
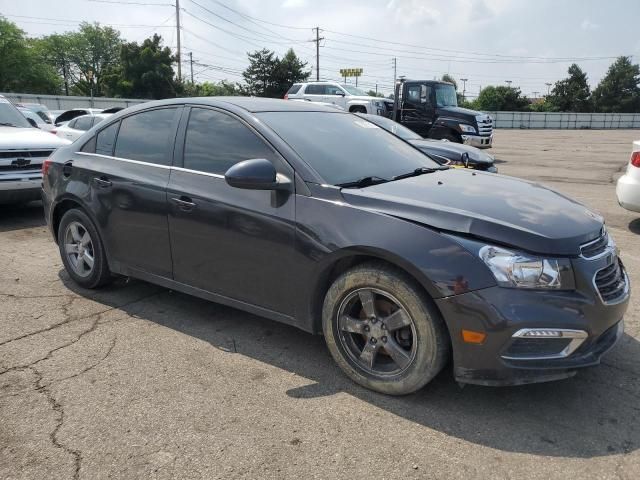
(294, 89)
(97, 120)
(215, 141)
(146, 136)
(83, 123)
(315, 89)
(106, 139)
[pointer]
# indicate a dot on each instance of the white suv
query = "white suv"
(348, 97)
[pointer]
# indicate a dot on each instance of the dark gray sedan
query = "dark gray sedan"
(444, 152)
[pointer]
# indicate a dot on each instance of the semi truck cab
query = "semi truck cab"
(430, 108)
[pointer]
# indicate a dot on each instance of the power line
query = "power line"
(120, 2)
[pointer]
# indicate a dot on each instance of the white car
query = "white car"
(76, 127)
(23, 149)
(34, 119)
(348, 97)
(628, 187)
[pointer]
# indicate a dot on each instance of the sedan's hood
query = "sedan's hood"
(493, 207)
(12, 138)
(452, 150)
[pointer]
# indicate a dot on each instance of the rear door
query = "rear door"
(233, 242)
(128, 178)
(315, 92)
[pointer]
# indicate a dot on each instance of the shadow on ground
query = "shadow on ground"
(18, 217)
(593, 414)
(634, 226)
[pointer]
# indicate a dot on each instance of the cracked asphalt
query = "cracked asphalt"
(135, 381)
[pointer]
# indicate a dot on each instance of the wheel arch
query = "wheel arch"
(346, 259)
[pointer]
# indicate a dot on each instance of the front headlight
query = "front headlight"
(517, 270)
(378, 103)
(467, 128)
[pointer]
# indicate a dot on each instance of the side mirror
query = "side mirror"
(256, 174)
(32, 122)
(339, 92)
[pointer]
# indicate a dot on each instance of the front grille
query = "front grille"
(26, 154)
(21, 160)
(485, 125)
(611, 282)
(595, 247)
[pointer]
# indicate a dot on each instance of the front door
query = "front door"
(418, 110)
(233, 242)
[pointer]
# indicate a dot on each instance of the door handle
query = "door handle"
(184, 203)
(102, 182)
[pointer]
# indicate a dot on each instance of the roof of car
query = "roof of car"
(250, 104)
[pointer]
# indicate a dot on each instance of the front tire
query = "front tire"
(383, 331)
(82, 251)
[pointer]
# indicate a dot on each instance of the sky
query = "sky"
(488, 42)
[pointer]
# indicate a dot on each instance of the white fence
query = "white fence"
(570, 121)
(61, 102)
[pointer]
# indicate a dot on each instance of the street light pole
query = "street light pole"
(548, 88)
(464, 86)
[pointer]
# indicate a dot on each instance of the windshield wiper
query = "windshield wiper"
(363, 182)
(420, 171)
(7, 124)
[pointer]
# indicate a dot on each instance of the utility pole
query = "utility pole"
(191, 62)
(548, 88)
(395, 65)
(508, 82)
(317, 41)
(376, 89)
(464, 86)
(535, 94)
(178, 56)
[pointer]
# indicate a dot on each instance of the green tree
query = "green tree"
(619, 90)
(448, 78)
(260, 75)
(289, 70)
(54, 50)
(572, 93)
(22, 68)
(94, 52)
(373, 93)
(144, 71)
(501, 98)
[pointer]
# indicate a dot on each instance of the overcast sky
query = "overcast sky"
(486, 41)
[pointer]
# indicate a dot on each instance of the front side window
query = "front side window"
(146, 136)
(333, 90)
(106, 139)
(343, 147)
(215, 141)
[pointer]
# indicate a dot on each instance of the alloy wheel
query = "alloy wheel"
(79, 249)
(376, 332)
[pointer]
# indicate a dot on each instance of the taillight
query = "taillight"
(45, 167)
(635, 159)
(286, 96)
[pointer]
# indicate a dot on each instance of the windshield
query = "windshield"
(354, 90)
(446, 95)
(9, 115)
(393, 127)
(344, 148)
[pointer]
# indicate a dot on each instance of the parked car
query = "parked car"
(442, 151)
(41, 110)
(628, 186)
(317, 218)
(69, 115)
(76, 127)
(22, 151)
(35, 120)
(347, 97)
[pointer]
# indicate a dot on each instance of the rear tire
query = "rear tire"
(382, 329)
(82, 250)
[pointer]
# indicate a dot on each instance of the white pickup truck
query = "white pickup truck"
(348, 97)
(23, 148)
